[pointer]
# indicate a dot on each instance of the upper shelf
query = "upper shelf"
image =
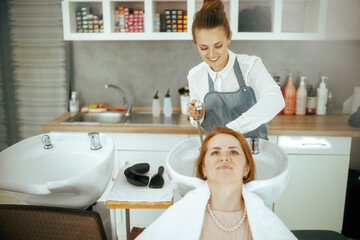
(144, 19)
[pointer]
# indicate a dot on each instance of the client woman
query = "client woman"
(221, 208)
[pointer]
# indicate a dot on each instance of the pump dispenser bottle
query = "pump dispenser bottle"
(290, 97)
(74, 102)
(156, 105)
(301, 97)
(167, 104)
(322, 96)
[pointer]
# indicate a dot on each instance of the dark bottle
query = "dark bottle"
(311, 101)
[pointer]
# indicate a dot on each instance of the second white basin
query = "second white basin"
(68, 175)
(272, 169)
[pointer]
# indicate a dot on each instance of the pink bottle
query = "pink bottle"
(301, 97)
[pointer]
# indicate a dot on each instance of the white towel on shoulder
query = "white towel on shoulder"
(184, 220)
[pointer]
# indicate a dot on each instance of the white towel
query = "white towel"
(185, 218)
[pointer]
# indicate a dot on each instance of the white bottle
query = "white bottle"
(167, 105)
(156, 105)
(74, 102)
(301, 97)
(322, 96)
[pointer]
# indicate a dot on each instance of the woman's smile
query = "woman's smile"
(213, 60)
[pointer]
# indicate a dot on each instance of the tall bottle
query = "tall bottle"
(290, 97)
(156, 105)
(167, 104)
(74, 105)
(322, 94)
(311, 101)
(301, 97)
(329, 103)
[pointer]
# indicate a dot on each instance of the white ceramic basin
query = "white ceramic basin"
(272, 169)
(68, 175)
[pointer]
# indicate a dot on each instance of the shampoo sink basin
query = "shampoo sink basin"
(272, 169)
(120, 118)
(68, 175)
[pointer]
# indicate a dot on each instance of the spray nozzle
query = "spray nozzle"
(323, 84)
(168, 93)
(156, 95)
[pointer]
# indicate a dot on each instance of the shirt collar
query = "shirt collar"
(227, 69)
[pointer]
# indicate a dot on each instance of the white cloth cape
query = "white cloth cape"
(184, 220)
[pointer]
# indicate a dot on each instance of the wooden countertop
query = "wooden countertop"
(328, 125)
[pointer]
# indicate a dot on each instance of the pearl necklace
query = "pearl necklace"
(225, 229)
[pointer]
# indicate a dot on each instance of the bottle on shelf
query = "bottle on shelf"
(74, 104)
(290, 97)
(301, 97)
(311, 101)
(322, 96)
(184, 98)
(329, 104)
(156, 105)
(167, 104)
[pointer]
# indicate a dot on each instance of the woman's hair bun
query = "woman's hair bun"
(212, 4)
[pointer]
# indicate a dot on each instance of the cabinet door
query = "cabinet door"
(315, 195)
(343, 20)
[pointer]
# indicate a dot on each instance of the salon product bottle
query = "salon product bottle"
(74, 105)
(290, 97)
(277, 80)
(301, 97)
(311, 101)
(322, 96)
(167, 104)
(329, 104)
(156, 105)
(184, 98)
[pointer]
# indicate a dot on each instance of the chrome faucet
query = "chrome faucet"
(127, 106)
(47, 142)
(94, 140)
(254, 145)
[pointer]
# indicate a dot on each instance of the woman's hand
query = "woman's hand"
(191, 111)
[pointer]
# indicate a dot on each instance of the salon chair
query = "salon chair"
(38, 222)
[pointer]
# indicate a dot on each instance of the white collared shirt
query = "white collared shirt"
(268, 95)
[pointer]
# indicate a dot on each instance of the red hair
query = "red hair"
(243, 143)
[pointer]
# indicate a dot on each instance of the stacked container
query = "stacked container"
(129, 20)
(173, 20)
(87, 22)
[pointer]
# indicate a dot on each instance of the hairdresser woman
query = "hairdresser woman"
(237, 90)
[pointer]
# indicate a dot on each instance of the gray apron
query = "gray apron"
(224, 107)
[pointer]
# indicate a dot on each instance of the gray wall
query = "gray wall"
(142, 67)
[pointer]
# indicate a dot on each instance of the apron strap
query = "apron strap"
(211, 84)
(238, 75)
